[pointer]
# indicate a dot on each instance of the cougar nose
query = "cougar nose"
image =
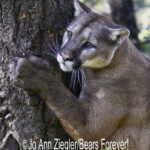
(65, 56)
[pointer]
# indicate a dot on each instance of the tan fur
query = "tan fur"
(115, 103)
(126, 83)
(118, 89)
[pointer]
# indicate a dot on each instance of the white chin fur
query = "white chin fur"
(66, 66)
(60, 59)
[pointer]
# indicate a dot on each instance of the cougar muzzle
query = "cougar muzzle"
(67, 63)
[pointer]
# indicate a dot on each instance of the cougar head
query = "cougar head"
(90, 40)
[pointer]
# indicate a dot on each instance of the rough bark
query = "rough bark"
(25, 28)
(122, 12)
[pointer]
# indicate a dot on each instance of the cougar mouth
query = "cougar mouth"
(68, 65)
(65, 65)
(77, 73)
(77, 64)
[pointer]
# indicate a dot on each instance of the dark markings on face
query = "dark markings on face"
(88, 29)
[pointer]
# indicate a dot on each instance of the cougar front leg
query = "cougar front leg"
(89, 118)
(34, 74)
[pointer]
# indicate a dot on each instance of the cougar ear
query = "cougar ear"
(118, 35)
(80, 8)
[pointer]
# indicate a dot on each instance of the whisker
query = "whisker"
(74, 83)
(53, 52)
(83, 78)
(53, 55)
(82, 81)
(79, 77)
(54, 45)
(71, 80)
(84, 75)
(52, 49)
(57, 42)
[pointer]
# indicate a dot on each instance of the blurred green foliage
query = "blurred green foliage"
(96, 5)
(142, 14)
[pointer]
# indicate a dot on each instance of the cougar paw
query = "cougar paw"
(29, 73)
(23, 73)
(39, 63)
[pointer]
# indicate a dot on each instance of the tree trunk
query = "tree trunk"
(122, 12)
(25, 30)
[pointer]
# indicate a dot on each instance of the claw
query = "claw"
(25, 72)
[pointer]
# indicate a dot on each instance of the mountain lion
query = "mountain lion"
(115, 101)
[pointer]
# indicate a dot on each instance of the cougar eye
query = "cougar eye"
(69, 33)
(88, 45)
